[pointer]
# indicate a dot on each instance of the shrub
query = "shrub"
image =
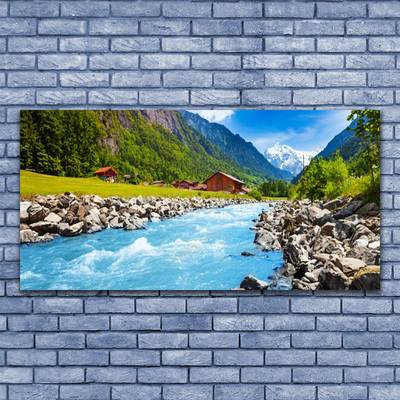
(255, 194)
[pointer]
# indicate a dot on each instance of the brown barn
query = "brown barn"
(106, 173)
(221, 182)
(185, 184)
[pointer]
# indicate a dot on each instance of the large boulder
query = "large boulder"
(28, 236)
(332, 204)
(328, 229)
(361, 232)
(307, 214)
(64, 200)
(295, 254)
(267, 241)
(36, 213)
(23, 211)
(364, 254)
(93, 217)
(250, 282)
(43, 227)
(332, 278)
(323, 217)
(367, 278)
(53, 217)
(71, 230)
(348, 265)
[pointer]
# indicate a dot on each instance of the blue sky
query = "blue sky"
(300, 129)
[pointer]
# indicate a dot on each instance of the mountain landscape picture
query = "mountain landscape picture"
(200, 200)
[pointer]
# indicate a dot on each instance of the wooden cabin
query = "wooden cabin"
(200, 186)
(106, 174)
(184, 184)
(245, 190)
(158, 183)
(221, 182)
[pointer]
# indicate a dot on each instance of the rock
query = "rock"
(361, 231)
(323, 217)
(70, 230)
(332, 278)
(43, 227)
(93, 217)
(343, 213)
(53, 217)
(367, 208)
(266, 240)
(367, 278)
(23, 211)
(63, 199)
(36, 213)
(247, 254)
(301, 285)
(311, 277)
(307, 214)
(364, 254)
(361, 243)
(74, 207)
(28, 236)
(82, 212)
(323, 257)
(348, 265)
(295, 254)
(94, 228)
(250, 282)
(331, 205)
(97, 200)
(115, 223)
(328, 229)
(374, 245)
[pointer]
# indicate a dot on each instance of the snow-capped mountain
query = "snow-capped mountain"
(289, 159)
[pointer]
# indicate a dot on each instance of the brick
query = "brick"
(187, 323)
(384, 10)
(214, 375)
(342, 78)
(387, 323)
(267, 340)
(164, 61)
(37, 9)
(136, 392)
(314, 375)
(384, 78)
(16, 375)
(268, 27)
(346, 10)
(367, 28)
(8, 202)
(342, 358)
(289, 79)
(109, 306)
(237, 45)
(111, 340)
(135, 357)
(129, 9)
(162, 375)
(314, 97)
(367, 306)
(187, 79)
(85, 9)
(32, 79)
(176, 97)
(88, 45)
(368, 375)
(242, 323)
(113, 27)
(238, 10)
(186, 357)
(345, 392)
(290, 357)
(369, 62)
(214, 340)
(83, 357)
(61, 97)
(17, 61)
(321, 340)
(135, 44)
(267, 61)
(289, 392)
(368, 97)
(61, 27)
(165, 28)
(32, 323)
(16, 340)
(267, 305)
(219, 97)
(15, 306)
(341, 323)
(37, 392)
(84, 323)
(98, 392)
(384, 357)
(179, 392)
(367, 341)
(263, 375)
(341, 45)
(113, 61)
(235, 392)
(318, 27)
(3, 9)
(3, 323)
(193, 45)
(212, 305)
(83, 79)
(135, 322)
(19, 26)
(387, 44)
(289, 322)
(32, 45)
(217, 27)
(31, 357)
(60, 340)
(319, 61)
(215, 62)
(109, 96)
(179, 9)
(387, 134)
(110, 375)
(268, 97)
(311, 305)
(238, 357)
(163, 340)
(288, 10)
(61, 61)
(57, 306)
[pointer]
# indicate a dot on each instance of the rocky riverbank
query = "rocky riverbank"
(331, 245)
(45, 218)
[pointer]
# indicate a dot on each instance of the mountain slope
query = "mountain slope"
(289, 159)
(244, 153)
(154, 144)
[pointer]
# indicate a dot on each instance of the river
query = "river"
(200, 250)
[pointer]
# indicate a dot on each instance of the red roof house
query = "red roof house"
(221, 182)
(106, 173)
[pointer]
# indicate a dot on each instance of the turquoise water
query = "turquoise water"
(197, 251)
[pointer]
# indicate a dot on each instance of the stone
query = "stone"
(63, 199)
(247, 254)
(43, 227)
(348, 265)
(307, 214)
(311, 276)
(361, 242)
(374, 245)
(94, 228)
(23, 211)
(332, 204)
(250, 282)
(332, 278)
(364, 254)
(28, 236)
(266, 240)
(295, 254)
(71, 230)
(367, 278)
(328, 229)
(53, 217)
(36, 213)
(323, 217)
(361, 231)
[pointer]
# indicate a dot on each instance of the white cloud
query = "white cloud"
(214, 115)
